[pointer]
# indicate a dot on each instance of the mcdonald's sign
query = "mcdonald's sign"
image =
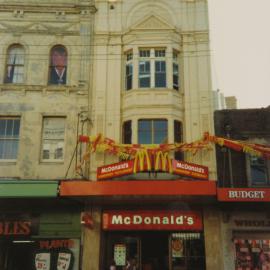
(142, 161)
(115, 170)
(190, 169)
(163, 162)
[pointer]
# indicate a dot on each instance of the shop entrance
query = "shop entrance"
(150, 250)
(154, 251)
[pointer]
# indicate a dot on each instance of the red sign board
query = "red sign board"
(152, 220)
(115, 170)
(190, 169)
(244, 194)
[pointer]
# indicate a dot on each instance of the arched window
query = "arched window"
(58, 65)
(15, 64)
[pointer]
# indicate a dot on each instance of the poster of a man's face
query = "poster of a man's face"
(58, 65)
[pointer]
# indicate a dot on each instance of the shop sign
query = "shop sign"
(252, 223)
(56, 243)
(152, 220)
(190, 169)
(243, 194)
(17, 226)
(115, 170)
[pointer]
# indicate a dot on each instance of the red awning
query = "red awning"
(135, 188)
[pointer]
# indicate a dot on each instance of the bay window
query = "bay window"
(149, 69)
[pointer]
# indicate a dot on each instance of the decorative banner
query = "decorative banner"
(63, 261)
(43, 261)
(243, 194)
(152, 220)
(190, 169)
(143, 154)
(115, 170)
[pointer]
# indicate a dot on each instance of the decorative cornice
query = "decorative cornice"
(46, 8)
(23, 88)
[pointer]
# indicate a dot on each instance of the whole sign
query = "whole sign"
(189, 169)
(244, 194)
(115, 170)
(152, 220)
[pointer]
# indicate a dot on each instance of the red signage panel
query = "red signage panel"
(115, 170)
(152, 220)
(190, 169)
(244, 194)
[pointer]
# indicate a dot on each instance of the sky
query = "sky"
(240, 50)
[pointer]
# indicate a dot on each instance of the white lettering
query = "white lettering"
(127, 220)
(114, 168)
(137, 219)
(189, 167)
(242, 194)
(117, 219)
(190, 221)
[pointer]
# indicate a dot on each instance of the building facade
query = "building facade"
(151, 86)
(243, 187)
(44, 99)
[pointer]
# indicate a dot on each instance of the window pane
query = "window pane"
(160, 137)
(127, 132)
(53, 138)
(152, 131)
(16, 128)
(129, 76)
(15, 65)
(144, 53)
(145, 137)
(160, 74)
(258, 171)
(144, 74)
(3, 123)
(160, 53)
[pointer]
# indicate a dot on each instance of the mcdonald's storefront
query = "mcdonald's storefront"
(149, 224)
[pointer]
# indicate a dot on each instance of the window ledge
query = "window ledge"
(8, 161)
(50, 162)
(80, 90)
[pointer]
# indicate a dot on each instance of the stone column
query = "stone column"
(212, 234)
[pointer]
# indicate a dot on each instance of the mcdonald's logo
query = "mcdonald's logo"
(163, 162)
(142, 161)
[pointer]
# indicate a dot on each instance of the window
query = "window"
(53, 138)
(258, 171)
(129, 70)
(157, 57)
(127, 132)
(144, 69)
(178, 138)
(152, 131)
(58, 65)
(15, 64)
(175, 71)
(9, 137)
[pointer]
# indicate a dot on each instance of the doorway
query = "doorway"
(154, 251)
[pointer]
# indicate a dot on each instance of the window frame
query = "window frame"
(11, 68)
(13, 138)
(63, 140)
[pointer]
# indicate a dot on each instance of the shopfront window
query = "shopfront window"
(252, 254)
(159, 250)
(39, 254)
